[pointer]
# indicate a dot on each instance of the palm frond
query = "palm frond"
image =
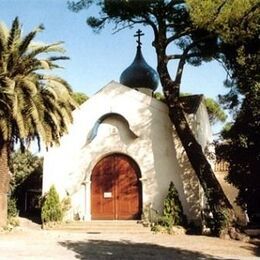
(23, 47)
(27, 40)
(44, 64)
(12, 61)
(14, 35)
(54, 58)
(34, 113)
(4, 106)
(19, 120)
(58, 83)
(4, 32)
(55, 47)
(5, 128)
(3, 38)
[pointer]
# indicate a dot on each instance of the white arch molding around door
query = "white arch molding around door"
(116, 191)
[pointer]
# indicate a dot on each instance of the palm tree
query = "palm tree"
(34, 105)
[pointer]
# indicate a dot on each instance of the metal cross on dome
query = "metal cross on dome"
(138, 35)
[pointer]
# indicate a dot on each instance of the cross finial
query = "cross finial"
(138, 35)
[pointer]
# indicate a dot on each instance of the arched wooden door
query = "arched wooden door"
(116, 189)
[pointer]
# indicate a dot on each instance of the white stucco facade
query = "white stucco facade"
(119, 119)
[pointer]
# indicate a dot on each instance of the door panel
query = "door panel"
(127, 190)
(102, 186)
(116, 189)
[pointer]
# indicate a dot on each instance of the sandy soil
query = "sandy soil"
(30, 242)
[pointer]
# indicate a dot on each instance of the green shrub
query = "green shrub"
(160, 229)
(11, 208)
(220, 223)
(172, 213)
(165, 221)
(12, 215)
(51, 208)
(217, 224)
(172, 209)
(65, 205)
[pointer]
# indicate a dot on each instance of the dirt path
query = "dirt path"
(30, 242)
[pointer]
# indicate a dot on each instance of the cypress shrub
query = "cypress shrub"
(172, 209)
(52, 208)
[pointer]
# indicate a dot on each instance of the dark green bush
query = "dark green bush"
(51, 208)
(172, 209)
(172, 213)
(165, 221)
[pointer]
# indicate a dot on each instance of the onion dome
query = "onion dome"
(139, 74)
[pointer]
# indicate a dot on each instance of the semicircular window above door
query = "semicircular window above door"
(116, 191)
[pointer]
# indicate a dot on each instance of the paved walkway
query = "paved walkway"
(34, 243)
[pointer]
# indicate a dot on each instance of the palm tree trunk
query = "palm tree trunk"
(4, 183)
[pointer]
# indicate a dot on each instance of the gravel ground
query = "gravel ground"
(30, 242)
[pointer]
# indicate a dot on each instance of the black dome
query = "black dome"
(139, 74)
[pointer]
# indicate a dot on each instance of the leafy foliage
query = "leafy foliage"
(11, 208)
(237, 24)
(52, 208)
(65, 204)
(241, 149)
(233, 20)
(215, 112)
(216, 224)
(12, 214)
(79, 97)
(22, 164)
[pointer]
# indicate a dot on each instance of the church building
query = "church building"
(122, 152)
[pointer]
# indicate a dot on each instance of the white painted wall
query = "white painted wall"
(150, 140)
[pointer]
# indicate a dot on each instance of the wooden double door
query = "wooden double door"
(116, 189)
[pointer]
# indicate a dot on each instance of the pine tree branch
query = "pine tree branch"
(182, 62)
(179, 56)
(224, 67)
(177, 36)
(122, 28)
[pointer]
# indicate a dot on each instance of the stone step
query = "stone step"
(104, 223)
(98, 226)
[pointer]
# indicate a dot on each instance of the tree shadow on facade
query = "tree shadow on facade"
(124, 249)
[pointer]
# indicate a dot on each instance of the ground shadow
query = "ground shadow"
(124, 249)
(256, 249)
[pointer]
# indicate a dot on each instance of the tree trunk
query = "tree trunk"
(219, 205)
(4, 183)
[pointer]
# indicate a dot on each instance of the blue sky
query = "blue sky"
(96, 59)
